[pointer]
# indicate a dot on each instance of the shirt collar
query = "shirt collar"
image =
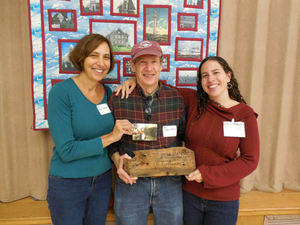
(157, 92)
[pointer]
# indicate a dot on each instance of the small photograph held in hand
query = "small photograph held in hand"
(144, 132)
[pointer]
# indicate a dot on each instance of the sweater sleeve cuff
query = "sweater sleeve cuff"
(201, 170)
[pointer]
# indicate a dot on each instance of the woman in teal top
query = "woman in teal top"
(82, 126)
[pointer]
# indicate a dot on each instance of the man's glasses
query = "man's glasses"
(148, 102)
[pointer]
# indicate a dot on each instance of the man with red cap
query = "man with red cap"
(150, 102)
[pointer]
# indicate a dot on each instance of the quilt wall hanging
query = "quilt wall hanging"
(187, 30)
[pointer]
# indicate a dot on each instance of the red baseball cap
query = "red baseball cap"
(145, 48)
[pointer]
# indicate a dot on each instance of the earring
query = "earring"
(229, 85)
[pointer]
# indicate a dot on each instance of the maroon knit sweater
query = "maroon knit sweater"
(216, 157)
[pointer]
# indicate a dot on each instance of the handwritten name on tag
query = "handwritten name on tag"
(103, 109)
(234, 129)
(170, 131)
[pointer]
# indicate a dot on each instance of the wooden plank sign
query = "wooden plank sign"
(161, 162)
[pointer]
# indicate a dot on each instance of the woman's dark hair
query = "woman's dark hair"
(233, 91)
(84, 48)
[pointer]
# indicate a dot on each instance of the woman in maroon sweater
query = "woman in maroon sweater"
(222, 131)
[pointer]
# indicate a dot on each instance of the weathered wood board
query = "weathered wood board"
(161, 162)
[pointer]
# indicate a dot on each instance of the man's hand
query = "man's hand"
(121, 172)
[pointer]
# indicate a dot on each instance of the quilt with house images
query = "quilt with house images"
(187, 30)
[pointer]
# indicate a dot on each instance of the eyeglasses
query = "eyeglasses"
(148, 101)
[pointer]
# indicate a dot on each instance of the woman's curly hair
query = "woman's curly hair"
(203, 98)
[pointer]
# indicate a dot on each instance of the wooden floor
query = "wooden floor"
(253, 207)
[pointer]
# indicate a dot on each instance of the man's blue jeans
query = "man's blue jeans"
(163, 194)
(79, 201)
(199, 211)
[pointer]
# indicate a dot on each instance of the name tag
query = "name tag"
(170, 131)
(103, 109)
(234, 129)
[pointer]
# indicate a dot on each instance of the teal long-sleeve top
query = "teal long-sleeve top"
(76, 126)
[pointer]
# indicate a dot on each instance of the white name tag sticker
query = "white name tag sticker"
(103, 109)
(170, 131)
(234, 129)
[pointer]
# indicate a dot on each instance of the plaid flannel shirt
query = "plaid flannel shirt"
(167, 109)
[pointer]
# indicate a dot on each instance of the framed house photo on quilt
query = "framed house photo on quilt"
(62, 20)
(89, 8)
(128, 8)
(65, 47)
(120, 33)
